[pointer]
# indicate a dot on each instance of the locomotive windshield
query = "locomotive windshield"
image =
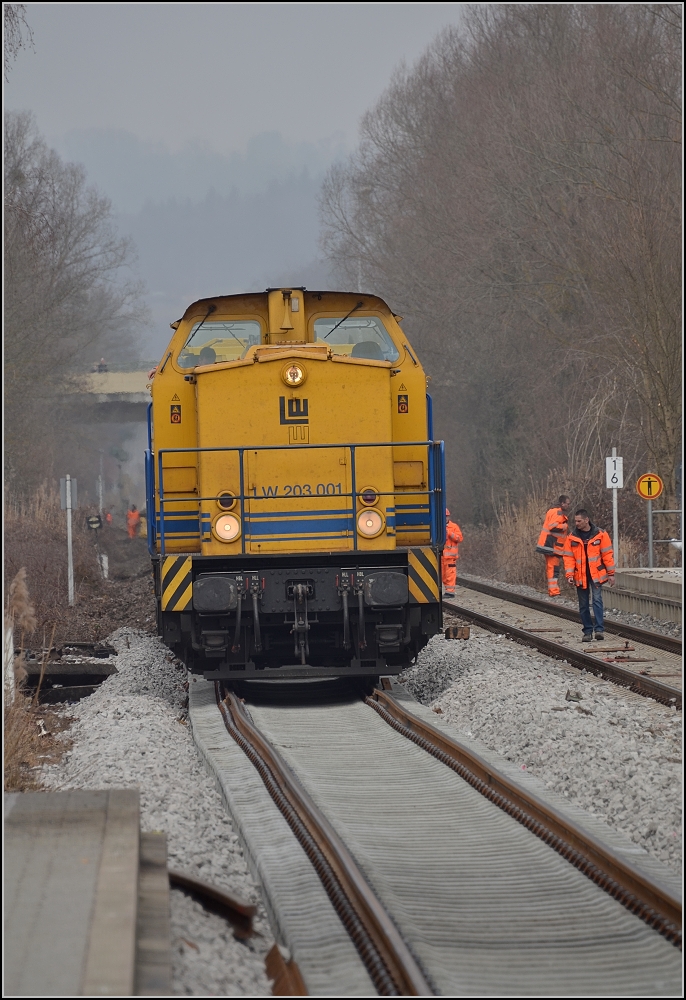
(213, 341)
(356, 336)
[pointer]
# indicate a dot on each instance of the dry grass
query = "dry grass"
(26, 746)
(517, 534)
(30, 730)
(36, 542)
(505, 550)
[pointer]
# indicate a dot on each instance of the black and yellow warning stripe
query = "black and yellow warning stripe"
(177, 583)
(422, 575)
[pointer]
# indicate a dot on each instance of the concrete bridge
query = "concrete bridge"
(112, 397)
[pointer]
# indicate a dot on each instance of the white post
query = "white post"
(100, 485)
(615, 520)
(70, 554)
(8, 662)
(650, 534)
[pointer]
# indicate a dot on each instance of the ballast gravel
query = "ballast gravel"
(613, 753)
(132, 732)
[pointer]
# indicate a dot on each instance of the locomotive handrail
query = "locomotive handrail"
(150, 485)
(435, 492)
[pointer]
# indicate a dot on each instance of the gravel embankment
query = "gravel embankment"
(132, 732)
(612, 614)
(611, 752)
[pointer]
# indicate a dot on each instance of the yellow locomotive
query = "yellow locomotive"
(295, 496)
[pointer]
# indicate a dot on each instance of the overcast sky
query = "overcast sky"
(210, 126)
(220, 73)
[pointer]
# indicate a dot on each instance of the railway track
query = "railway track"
(645, 636)
(448, 874)
(645, 662)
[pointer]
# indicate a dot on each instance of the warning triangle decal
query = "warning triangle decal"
(175, 398)
(403, 388)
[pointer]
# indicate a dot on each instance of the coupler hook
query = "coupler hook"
(361, 626)
(301, 625)
(256, 594)
(235, 648)
(343, 590)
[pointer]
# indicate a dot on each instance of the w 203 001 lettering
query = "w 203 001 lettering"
(299, 490)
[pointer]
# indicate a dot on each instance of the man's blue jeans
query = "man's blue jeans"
(584, 594)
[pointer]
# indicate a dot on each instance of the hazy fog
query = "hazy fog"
(210, 126)
(206, 223)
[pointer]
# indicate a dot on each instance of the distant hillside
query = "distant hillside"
(204, 223)
(132, 171)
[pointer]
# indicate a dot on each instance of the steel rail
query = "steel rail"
(649, 687)
(643, 635)
(653, 903)
(239, 913)
(389, 962)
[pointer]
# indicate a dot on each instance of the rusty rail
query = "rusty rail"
(390, 964)
(653, 903)
(239, 913)
(647, 686)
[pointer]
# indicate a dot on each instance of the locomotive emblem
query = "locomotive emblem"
(298, 410)
(293, 375)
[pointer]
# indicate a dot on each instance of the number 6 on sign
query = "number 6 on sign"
(614, 473)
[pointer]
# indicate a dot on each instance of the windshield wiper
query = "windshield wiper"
(358, 306)
(235, 337)
(212, 309)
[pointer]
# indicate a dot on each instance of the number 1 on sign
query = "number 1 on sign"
(614, 473)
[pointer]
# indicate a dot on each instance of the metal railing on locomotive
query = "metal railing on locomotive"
(435, 491)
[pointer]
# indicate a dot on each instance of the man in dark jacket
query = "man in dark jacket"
(589, 563)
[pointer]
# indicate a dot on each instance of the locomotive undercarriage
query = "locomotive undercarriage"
(309, 620)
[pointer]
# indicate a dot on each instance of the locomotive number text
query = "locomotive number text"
(304, 490)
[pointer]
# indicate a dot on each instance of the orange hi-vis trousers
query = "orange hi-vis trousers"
(449, 573)
(552, 572)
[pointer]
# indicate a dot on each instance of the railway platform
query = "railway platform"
(86, 897)
(656, 592)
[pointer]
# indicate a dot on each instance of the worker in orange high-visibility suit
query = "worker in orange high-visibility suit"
(453, 536)
(133, 520)
(589, 564)
(551, 542)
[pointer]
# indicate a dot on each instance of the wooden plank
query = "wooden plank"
(153, 927)
(110, 959)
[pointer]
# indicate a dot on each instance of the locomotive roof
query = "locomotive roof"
(285, 288)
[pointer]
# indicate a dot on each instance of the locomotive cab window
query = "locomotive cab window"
(356, 336)
(213, 341)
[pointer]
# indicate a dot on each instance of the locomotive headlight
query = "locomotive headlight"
(293, 374)
(370, 523)
(226, 500)
(369, 496)
(227, 528)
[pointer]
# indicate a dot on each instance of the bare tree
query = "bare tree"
(17, 32)
(68, 293)
(516, 195)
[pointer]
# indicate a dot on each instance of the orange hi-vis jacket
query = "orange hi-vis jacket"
(133, 519)
(453, 536)
(601, 562)
(551, 541)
